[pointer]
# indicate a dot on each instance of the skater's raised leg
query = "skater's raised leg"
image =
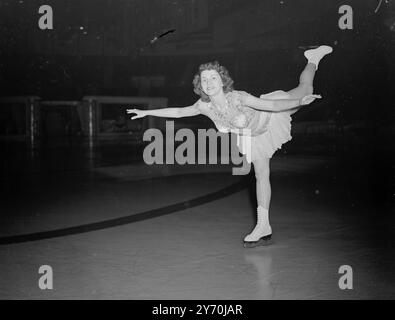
(306, 78)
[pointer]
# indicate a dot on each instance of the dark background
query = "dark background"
(106, 47)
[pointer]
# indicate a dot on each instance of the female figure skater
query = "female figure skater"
(268, 119)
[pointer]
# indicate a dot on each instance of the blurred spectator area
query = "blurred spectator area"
(103, 116)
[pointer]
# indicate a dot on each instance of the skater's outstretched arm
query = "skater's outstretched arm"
(181, 112)
(277, 105)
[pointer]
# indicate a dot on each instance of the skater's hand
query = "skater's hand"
(139, 113)
(309, 99)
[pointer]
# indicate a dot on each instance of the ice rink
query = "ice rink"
(112, 227)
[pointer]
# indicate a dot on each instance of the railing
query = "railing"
(92, 113)
(32, 116)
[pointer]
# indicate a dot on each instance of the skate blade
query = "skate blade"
(264, 241)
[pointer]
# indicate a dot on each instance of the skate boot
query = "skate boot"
(262, 233)
(315, 55)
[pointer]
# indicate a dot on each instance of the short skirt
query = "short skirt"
(277, 133)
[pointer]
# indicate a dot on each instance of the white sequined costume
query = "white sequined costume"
(268, 130)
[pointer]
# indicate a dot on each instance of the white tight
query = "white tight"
(262, 166)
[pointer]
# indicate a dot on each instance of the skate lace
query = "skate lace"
(260, 223)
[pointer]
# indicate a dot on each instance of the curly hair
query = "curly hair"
(222, 71)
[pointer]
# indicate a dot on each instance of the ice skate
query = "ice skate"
(315, 55)
(262, 233)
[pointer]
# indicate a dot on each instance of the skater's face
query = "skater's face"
(211, 82)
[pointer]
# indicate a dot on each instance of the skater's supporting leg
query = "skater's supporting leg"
(261, 234)
(263, 188)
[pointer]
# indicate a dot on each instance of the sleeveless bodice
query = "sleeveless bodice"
(235, 115)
